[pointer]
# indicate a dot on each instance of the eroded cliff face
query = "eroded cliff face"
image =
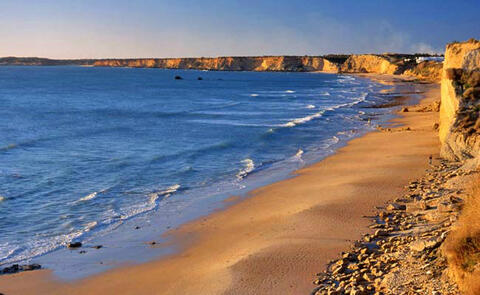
(460, 103)
(256, 63)
(427, 70)
(370, 63)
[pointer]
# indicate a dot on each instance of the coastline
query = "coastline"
(276, 241)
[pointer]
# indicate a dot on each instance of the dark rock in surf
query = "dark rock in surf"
(17, 268)
(73, 245)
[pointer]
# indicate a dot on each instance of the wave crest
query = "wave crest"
(249, 166)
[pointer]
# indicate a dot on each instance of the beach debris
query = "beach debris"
(404, 255)
(17, 268)
(73, 245)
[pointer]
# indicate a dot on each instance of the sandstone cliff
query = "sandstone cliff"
(460, 103)
(333, 63)
(370, 63)
(427, 70)
(254, 63)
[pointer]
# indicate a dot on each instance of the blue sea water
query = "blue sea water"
(83, 150)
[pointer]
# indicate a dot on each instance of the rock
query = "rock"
(153, 243)
(337, 269)
(368, 277)
(380, 233)
(395, 206)
(199, 78)
(427, 244)
(435, 126)
(16, 268)
(178, 78)
(12, 269)
(447, 207)
(97, 247)
(73, 245)
(29, 267)
(404, 110)
(137, 227)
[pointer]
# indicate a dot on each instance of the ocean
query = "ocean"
(87, 153)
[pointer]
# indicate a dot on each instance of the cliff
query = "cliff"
(37, 61)
(460, 102)
(332, 63)
(254, 63)
(427, 70)
(369, 63)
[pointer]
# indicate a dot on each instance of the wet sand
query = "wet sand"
(275, 241)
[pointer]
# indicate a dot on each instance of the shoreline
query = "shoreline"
(267, 256)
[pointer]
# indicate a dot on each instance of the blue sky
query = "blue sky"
(164, 28)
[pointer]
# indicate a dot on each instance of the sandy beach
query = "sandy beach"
(277, 239)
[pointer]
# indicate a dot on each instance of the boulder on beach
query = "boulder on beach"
(73, 245)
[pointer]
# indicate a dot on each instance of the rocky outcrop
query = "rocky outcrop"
(460, 103)
(403, 254)
(426, 70)
(255, 63)
(370, 63)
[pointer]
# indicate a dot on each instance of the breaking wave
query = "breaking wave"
(249, 166)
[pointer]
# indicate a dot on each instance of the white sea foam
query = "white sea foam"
(310, 106)
(88, 197)
(303, 120)
(150, 204)
(253, 95)
(248, 166)
(290, 91)
(2, 198)
(299, 121)
(299, 154)
(166, 193)
(170, 190)
(89, 226)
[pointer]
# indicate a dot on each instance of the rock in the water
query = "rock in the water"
(73, 245)
(178, 78)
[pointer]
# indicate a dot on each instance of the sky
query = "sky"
(187, 28)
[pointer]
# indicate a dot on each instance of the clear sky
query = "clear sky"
(164, 28)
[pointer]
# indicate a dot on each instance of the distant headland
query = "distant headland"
(420, 65)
